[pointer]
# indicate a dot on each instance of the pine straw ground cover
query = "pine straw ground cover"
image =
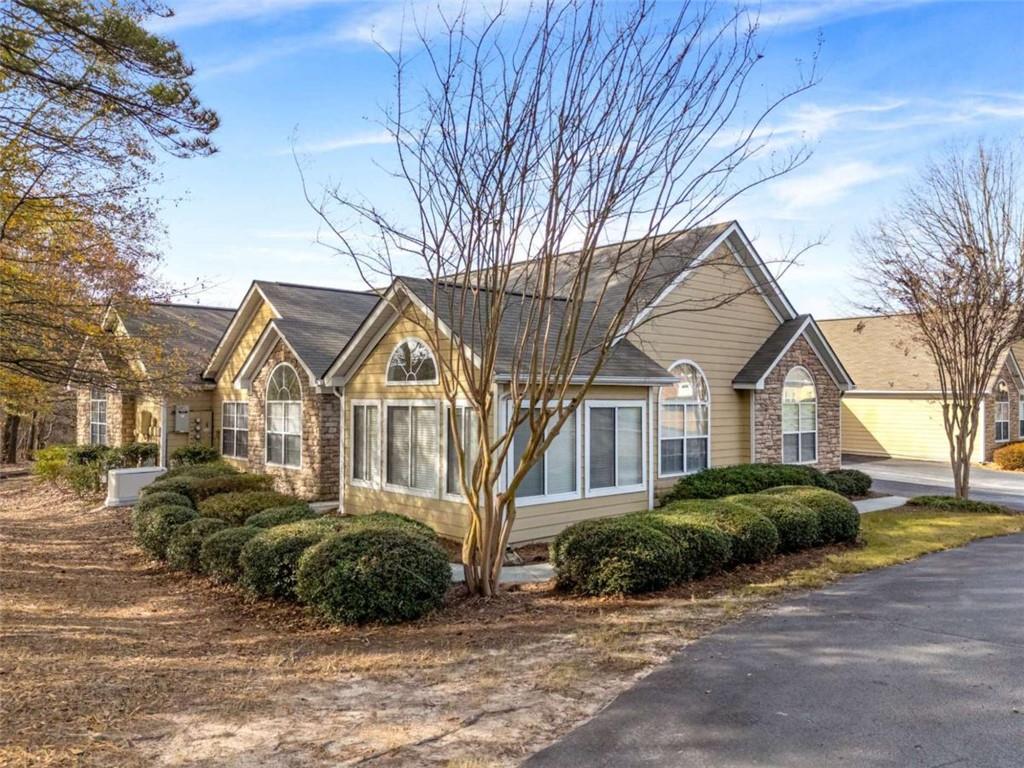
(109, 659)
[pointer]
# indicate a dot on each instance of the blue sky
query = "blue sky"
(900, 81)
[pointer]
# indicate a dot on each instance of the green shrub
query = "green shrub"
(268, 561)
(705, 548)
(838, 519)
(219, 552)
(83, 479)
(202, 471)
(850, 482)
(180, 484)
(797, 525)
(743, 478)
(213, 486)
(616, 556)
(133, 455)
(88, 454)
(49, 462)
(268, 518)
(161, 498)
(158, 524)
(753, 537)
(389, 520)
(373, 574)
(194, 453)
(1009, 456)
(953, 504)
(184, 544)
(238, 506)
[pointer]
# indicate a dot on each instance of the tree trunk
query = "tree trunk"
(10, 438)
(33, 436)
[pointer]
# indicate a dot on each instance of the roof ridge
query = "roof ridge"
(506, 292)
(188, 306)
(315, 287)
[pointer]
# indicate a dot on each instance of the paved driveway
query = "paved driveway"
(903, 477)
(917, 665)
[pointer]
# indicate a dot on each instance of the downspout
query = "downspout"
(339, 393)
(652, 417)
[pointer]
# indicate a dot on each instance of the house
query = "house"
(896, 409)
(335, 393)
(171, 413)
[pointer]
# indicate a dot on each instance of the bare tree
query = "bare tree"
(951, 256)
(580, 125)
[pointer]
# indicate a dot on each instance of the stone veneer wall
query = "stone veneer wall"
(768, 409)
(317, 476)
(989, 426)
(120, 417)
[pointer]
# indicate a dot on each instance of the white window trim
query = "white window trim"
(661, 404)
(445, 494)
(617, 490)
(799, 446)
(996, 420)
(403, 489)
(356, 481)
(387, 369)
(1020, 415)
(529, 501)
(266, 421)
(235, 429)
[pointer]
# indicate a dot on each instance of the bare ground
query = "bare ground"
(110, 659)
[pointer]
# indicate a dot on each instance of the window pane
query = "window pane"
(228, 416)
(808, 446)
(293, 419)
(359, 442)
(673, 421)
(791, 448)
(228, 442)
(242, 416)
(291, 450)
(696, 454)
(467, 424)
(275, 417)
(275, 449)
(533, 483)
(631, 446)
(425, 448)
(242, 443)
(452, 483)
(696, 420)
(790, 417)
(808, 415)
(672, 456)
(372, 443)
(398, 445)
(561, 459)
(602, 447)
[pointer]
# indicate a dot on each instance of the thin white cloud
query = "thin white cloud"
(784, 13)
(341, 142)
(202, 13)
(825, 187)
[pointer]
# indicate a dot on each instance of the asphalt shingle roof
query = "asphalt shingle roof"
(882, 354)
(761, 362)
(193, 330)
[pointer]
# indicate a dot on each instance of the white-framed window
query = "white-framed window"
(412, 449)
(284, 417)
(98, 416)
(234, 429)
(1020, 415)
(412, 362)
(1002, 412)
(556, 475)
(365, 441)
(684, 422)
(616, 434)
(467, 423)
(799, 418)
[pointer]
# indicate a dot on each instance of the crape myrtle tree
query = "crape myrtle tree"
(950, 255)
(576, 125)
(88, 98)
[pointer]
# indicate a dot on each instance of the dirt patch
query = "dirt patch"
(110, 659)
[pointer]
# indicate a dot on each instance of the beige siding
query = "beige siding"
(200, 405)
(900, 426)
(720, 340)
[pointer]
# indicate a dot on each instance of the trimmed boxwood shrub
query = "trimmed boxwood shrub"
(753, 537)
(213, 486)
(238, 506)
(194, 453)
(367, 574)
(1009, 456)
(159, 524)
(838, 519)
(390, 520)
(953, 504)
(850, 482)
(268, 561)
(705, 548)
(202, 471)
(616, 556)
(181, 484)
(160, 498)
(219, 553)
(797, 525)
(719, 482)
(268, 518)
(184, 545)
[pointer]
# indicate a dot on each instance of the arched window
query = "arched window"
(412, 363)
(684, 421)
(1002, 412)
(284, 417)
(799, 418)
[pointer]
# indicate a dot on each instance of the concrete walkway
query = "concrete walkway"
(905, 667)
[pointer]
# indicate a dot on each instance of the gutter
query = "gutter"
(339, 393)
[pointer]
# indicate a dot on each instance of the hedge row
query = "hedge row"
(692, 539)
(1009, 456)
(719, 482)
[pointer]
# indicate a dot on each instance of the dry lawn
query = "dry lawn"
(110, 659)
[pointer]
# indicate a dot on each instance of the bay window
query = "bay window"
(799, 418)
(683, 423)
(413, 450)
(615, 447)
(234, 430)
(365, 443)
